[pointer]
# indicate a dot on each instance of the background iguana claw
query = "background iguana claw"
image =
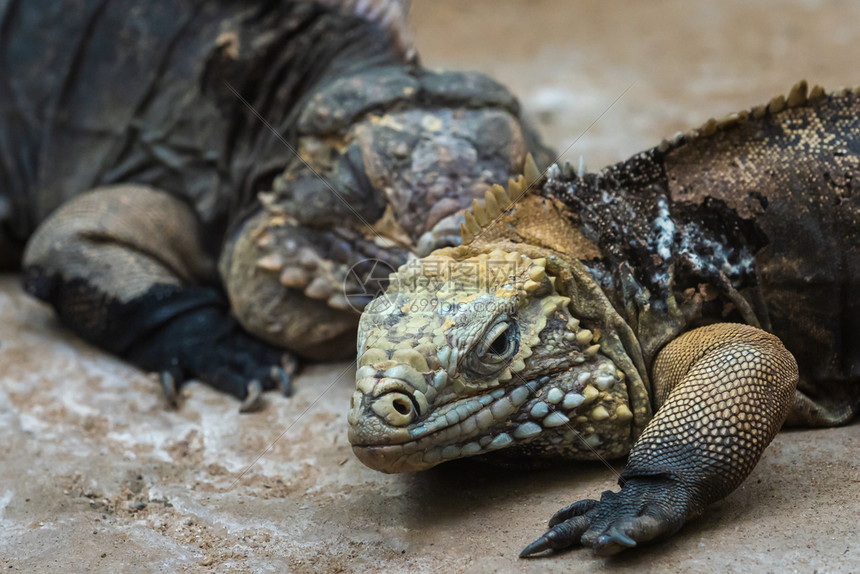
(169, 389)
(283, 376)
(254, 401)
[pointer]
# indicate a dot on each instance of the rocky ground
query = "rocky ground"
(95, 475)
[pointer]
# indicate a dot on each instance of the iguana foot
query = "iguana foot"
(280, 377)
(208, 345)
(646, 508)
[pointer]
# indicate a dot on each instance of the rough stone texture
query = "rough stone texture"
(86, 440)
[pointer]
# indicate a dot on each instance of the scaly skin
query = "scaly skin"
(653, 308)
(170, 224)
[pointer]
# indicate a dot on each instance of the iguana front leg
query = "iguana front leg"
(126, 269)
(723, 391)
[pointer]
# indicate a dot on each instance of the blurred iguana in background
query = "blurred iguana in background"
(189, 184)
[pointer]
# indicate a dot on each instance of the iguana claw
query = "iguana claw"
(612, 542)
(536, 547)
(621, 538)
(560, 536)
(254, 400)
(283, 380)
(283, 375)
(169, 389)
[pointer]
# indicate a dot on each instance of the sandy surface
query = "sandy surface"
(96, 476)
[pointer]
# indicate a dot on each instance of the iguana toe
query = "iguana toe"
(563, 535)
(576, 509)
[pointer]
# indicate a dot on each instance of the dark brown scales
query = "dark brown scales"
(763, 214)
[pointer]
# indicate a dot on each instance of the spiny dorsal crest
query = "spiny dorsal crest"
(799, 95)
(497, 200)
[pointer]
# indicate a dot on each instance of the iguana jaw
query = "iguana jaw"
(426, 389)
(505, 418)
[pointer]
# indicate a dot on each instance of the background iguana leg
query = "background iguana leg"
(723, 392)
(124, 268)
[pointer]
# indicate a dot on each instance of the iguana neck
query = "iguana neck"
(665, 266)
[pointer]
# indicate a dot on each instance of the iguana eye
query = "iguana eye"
(499, 342)
(495, 349)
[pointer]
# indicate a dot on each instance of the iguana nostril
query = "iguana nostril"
(401, 406)
(397, 409)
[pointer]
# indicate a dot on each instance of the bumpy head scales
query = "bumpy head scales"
(469, 353)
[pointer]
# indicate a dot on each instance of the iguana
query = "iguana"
(677, 307)
(191, 184)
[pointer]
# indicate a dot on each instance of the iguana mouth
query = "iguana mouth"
(470, 426)
(465, 427)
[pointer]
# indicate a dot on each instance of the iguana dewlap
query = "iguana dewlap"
(654, 308)
(155, 155)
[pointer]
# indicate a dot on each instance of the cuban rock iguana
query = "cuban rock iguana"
(655, 308)
(142, 142)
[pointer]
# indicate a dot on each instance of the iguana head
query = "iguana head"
(481, 347)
